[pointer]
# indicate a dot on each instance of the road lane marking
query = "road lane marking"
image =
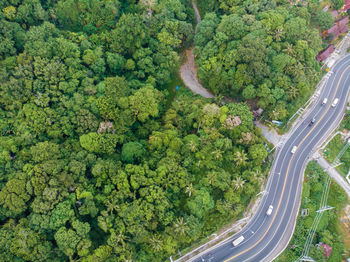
(342, 63)
(325, 124)
(324, 93)
(328, 92)
(285, 180)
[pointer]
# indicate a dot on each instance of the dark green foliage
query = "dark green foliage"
(132, 152)
(337, 4)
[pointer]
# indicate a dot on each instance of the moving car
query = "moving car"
(269, 211)
(313, 120)
(294, 149)
(237, 241)
(324, 101)
(335, 102)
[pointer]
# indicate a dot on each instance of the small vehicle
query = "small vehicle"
(335, 102)
(294, 149)
(269, 211)
(313, 120)
(237, 241)
(324, 101)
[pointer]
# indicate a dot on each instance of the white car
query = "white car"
(237, 241)
(335, 102)
(294, 149)
(324, 101)
(269, 211)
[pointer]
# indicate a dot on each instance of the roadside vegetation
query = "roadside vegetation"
(337, 144)
(333, 229)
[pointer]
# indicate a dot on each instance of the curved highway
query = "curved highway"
(263, 233)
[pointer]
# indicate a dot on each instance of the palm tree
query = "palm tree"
(238, 183)
(289, 50)
(217, 154)
(257, 176)
(247, 137)
(227, 205)
(278, 33)
(192, 145)
(293, 91)
(156, 243)
(180, 226)
(120, 238)
(211, 177)
(189, 190)
(275, 114)
(111, 206)
(240, 157)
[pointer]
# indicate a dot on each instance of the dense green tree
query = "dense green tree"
(132, 152)
(201, 203)
(269, 41)
(143, 103)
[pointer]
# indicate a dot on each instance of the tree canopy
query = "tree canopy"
(262, 52)
(96, 162)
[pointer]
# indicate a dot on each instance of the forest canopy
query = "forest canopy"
(95, 163)
(100, 158)
(262, 52)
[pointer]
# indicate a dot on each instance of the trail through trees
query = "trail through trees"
(188, 70)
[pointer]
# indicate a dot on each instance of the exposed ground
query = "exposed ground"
(188, 70)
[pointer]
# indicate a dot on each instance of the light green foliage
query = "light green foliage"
(143, 103)
(15, 194)
(67, 240)
(29, 245)
(60, 215)
(10, 12)
(324, 19)
(44, 151)
(103, 143)
(258, 153)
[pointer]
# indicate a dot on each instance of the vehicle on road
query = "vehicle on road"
(335, 102)
(269, 211)
(294, 149)
(324, 101)
(313, 120)
(237, 241)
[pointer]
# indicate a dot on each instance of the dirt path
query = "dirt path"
(198, 16)
(188, 70)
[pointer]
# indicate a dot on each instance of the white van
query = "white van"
(294, 149)
(335, 102)
(324, 101)
(237, 241)
(269, 211)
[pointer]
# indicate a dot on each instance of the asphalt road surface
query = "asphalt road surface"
(263, 234)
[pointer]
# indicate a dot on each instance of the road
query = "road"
(264, 234)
